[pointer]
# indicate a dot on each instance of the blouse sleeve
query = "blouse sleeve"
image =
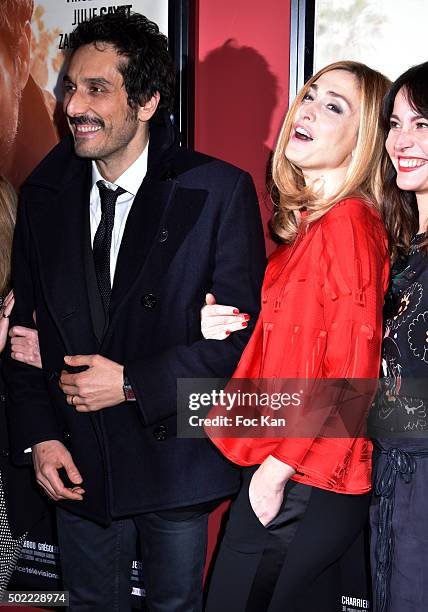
(353, 277)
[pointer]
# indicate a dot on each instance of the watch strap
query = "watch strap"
(127, 389)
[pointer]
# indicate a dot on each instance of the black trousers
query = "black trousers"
(96, 561)
(291, 561)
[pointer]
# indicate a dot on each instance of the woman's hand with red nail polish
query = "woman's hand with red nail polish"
(219, 321)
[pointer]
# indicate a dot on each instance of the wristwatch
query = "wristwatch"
(127, 389)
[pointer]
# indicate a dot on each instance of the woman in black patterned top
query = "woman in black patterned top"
(399, 513)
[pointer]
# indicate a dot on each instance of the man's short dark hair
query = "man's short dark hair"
(149, 68)
(13, 16)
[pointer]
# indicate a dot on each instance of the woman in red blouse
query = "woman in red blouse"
(304, 501)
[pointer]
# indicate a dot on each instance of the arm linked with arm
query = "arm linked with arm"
(237, 278)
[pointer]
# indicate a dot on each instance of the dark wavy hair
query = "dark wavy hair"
(148, 69)
(399, 210)
(13, 16)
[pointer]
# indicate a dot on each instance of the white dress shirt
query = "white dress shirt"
(130, 181)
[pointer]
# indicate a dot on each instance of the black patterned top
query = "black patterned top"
(403, 405)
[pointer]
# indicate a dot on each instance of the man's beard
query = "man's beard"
(108, 147)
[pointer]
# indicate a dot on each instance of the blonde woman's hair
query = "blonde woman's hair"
(8, 202)
(365, 173)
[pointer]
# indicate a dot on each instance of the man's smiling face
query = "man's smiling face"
(96, 104)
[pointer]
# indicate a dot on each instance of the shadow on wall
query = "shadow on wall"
(237, 94)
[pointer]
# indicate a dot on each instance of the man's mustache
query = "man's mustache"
(86, 120)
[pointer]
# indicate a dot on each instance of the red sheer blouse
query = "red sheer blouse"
(321, 317)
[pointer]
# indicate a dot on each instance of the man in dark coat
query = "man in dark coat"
(120, 234)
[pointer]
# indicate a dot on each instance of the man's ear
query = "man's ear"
(23, 56)
(148, 109)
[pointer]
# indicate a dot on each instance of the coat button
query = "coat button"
(169, 175)
(66, 435)
(149, 301)
(4, 452)
(160, 433)
(2, 398)
(163, 236)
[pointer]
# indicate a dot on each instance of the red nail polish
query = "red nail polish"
(247, 317)
(235, 311)
(244, 324)
(227, 332)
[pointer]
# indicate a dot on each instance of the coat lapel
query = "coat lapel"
(142, 227)
(152, 239)
(61, 220)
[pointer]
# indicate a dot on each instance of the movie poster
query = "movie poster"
(31, 120)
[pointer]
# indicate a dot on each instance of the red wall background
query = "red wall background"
(241, 94)
(241, 82)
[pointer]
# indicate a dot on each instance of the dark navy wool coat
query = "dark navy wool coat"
(194, 227)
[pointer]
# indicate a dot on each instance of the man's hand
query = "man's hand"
(48, 458)
(98, 387)
(266, 491)
(25, 345)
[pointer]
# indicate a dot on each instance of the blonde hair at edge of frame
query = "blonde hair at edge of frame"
(7, 225)
(364, 177)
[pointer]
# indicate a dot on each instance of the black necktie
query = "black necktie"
(102, 240)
